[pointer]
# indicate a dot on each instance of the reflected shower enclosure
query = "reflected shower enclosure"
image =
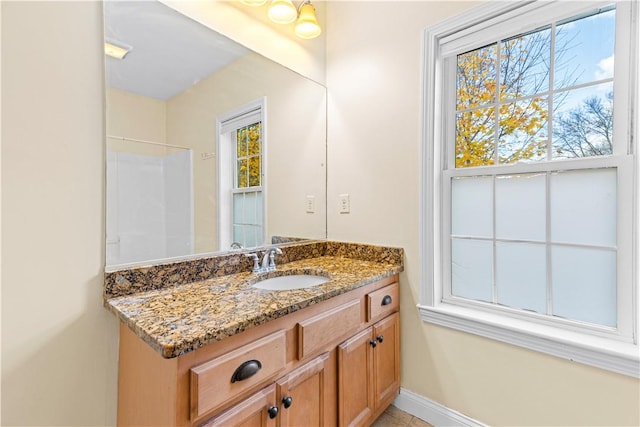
(149, 201)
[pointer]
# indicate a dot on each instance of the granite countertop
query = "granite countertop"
(179, 319)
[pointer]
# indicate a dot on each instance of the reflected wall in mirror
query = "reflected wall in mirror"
(208, 143)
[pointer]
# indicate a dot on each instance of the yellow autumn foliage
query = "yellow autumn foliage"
(249, 155)
(515, 133)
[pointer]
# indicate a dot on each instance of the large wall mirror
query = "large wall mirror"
(210, 146)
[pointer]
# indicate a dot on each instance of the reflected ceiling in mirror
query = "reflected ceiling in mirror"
(174, 162)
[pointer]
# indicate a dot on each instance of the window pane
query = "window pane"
(471, 206)
(254, 171)
(475, 137)
(254, 139)
(251, 236)
(249, 208)
(520, 207)
(259, 207)
(584, 50)
(476, 77)
(238, 234)
(238, 209)
(523, 130)
(524, 65)
(242, 170)
(584, 284)
(583, 207)
(583, 122)
(471, 269)
(241, 142)
(521, 278)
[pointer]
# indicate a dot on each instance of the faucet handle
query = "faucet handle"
(254, 257)
(272, 260)
(272, 257)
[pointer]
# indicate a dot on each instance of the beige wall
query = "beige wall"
(132, 116)
(59, 346)
(374, 80)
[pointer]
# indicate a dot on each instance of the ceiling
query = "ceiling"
(169, 51)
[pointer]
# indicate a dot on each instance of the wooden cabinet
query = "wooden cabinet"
(386, 360)
(315, 367)
(302, 394)
(355, 378)
(295, 400)
(369, 372)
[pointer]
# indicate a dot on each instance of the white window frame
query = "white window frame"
(578, 343)
(226, 173)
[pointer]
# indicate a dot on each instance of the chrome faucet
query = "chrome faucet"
(268, 259)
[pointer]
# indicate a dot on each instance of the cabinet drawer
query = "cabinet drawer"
(382, 302)
(318, 331)
(222, 379)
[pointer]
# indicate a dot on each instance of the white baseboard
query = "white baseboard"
(431, 411)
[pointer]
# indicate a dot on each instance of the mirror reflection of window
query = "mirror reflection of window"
(241, 185)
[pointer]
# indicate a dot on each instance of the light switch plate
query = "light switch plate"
(345, 207)
(311, 204)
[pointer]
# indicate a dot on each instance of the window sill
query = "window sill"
(611, 355)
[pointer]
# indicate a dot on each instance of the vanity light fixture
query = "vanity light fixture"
(285, 12)
(115, 51)
(307, 26)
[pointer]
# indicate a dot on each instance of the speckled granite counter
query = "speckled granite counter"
(185, 316)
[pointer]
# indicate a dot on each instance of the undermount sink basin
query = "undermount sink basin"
(293, 281)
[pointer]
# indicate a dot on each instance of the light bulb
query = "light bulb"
(282, 11)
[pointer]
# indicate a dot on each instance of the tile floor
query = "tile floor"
(394, 417)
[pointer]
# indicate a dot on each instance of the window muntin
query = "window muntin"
(513, 228)
(524, 110)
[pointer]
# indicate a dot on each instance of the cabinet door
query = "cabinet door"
(386, 359)
(355, 379)
(301, 395)
(258, 410)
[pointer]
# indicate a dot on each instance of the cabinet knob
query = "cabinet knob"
(286, 401)
(246, 370)
(273, 412)
(380, 338)
(373, 343)
(386, 300)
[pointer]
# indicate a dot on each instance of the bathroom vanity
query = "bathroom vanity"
(218, 351)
